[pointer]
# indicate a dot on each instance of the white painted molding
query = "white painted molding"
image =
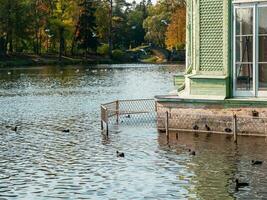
(249, 1)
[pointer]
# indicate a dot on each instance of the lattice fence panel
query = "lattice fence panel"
(211, 35)
(251, 125)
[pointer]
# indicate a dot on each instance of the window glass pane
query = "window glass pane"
(244, 49)
(263, 77)
(244, 74)
(244, 21)
(262, 20)
(262, 48)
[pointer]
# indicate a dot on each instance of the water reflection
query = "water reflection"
(218, 162)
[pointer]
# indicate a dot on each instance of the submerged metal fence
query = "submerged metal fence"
(146, 112)
(128, 112)
(222, 124)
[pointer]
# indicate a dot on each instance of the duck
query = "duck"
(191, 153)
(240, 184)
(228, 130)
(14, 128)
(207, 128)
(120, 154)
(66, 131)
(128, 116)
(195, 127)
(255, 113)
(256, 162)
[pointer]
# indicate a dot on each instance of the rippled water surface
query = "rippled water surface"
(39, 161)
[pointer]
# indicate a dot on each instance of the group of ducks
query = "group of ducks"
(238, 184)
(196, 127)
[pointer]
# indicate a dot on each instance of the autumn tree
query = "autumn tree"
(176, 33)
(156, 24)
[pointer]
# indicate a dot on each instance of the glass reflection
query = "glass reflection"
(244, 49)
(262, 20)
(244, 74)
(263, 77)
(244, 21)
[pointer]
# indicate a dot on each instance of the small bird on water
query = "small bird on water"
(228, 130)
(195, 127)
(13, 128)
(256, 162)
(120, 154)
(207, 128)
(191, 153)
(66, 131)
(240, 184)
(128, 116)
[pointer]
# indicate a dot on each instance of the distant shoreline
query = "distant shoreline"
(35, 61)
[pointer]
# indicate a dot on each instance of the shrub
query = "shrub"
(118, 55)
(103, 49)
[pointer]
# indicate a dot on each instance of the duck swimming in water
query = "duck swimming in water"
(195, 127)
(207, 128)
(228, 130)
(256, 162)
(240, 184)
(120, 154)
(15, 128)
(191, 153)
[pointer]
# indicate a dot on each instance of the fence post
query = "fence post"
(102, 125)
(167, 124)
(106, 119)
(117, 111)
(235, 128)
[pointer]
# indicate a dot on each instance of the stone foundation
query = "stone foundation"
(213, 118)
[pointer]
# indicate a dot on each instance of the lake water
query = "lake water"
(39, 161)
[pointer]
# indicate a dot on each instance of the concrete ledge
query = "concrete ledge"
(190, 99)
(212, 100)
(200, 76)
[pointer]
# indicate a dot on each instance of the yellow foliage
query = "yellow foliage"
(176, 31)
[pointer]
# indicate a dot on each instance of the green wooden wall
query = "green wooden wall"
(209, 46)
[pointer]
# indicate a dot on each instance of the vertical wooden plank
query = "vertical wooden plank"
(102, 125)
(235, 128)
(107, 128)
(117, 111)
(167, 124)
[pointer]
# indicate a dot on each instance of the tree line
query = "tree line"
(84, 27)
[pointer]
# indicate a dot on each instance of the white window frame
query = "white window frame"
(259, 93)
(255, 5)
(239, 93)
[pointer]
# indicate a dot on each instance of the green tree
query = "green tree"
(14, 23)
(86, 36)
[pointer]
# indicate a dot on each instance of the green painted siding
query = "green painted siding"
(189, 30)
(211, 41)
(213, 87)
(179, 80)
